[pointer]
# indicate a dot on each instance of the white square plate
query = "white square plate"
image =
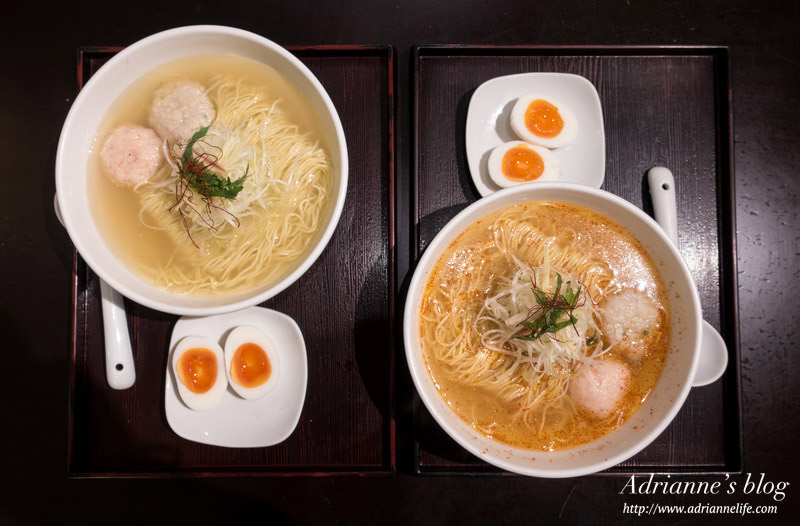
(237, 422)
(583, 161)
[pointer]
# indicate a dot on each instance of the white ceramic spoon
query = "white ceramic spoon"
(713, 352)
(120, 370)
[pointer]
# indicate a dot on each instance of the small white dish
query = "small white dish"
(488, 125)
(237, 422)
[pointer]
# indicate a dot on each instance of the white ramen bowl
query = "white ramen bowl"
(102, 90)
(666, 398)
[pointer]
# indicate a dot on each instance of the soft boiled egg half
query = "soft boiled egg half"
(251, 362)
(197, 363)
(542, 120)
(518, 162)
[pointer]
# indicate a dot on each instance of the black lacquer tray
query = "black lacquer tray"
(344, 305)
(662, 106)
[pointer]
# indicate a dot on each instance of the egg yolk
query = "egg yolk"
(197, 369)
(543, 119)
(250, 365)
(521, 164)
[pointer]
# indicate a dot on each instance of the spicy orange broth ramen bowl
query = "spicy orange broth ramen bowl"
(664, 401)
(100, 93)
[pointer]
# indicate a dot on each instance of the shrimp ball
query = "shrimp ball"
(179, 109)
(631, 321)
(131, 154)
(597, 388)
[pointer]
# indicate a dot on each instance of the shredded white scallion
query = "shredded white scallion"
(499, 322)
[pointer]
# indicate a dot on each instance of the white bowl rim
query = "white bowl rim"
(421, 376)
(72, 121)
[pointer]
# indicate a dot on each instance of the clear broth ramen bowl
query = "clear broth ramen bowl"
(99, 94)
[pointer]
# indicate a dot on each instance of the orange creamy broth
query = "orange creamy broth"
(478, 403)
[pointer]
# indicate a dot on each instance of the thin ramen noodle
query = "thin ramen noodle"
(544, 325)
(264, 135)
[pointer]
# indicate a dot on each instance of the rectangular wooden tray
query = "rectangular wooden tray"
(667, 106)
(344, 305)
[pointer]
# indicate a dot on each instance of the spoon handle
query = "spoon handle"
(662, 191)
(713, 352)
(120, 370)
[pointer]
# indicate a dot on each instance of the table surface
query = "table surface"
(39, 84)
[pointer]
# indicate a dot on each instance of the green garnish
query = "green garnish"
(197, 173)
(547, 316)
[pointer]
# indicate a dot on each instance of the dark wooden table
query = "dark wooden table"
(36, 264)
